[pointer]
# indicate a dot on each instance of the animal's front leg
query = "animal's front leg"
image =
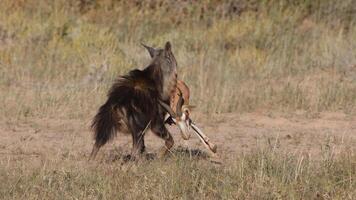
(161, 131)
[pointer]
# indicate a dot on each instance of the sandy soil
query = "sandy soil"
(36, 141)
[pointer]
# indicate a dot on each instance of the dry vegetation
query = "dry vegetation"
(58, 58)
(260, 175)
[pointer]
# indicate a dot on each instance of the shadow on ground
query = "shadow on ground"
(117, 156)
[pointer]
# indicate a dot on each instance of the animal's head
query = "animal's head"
(164, 56)
(181, 115)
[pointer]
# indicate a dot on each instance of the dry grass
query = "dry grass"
(264, 158)
(58, 58)
(264, 174)
(271, 56)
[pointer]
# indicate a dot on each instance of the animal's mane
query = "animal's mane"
(140, 87)
(154, 72)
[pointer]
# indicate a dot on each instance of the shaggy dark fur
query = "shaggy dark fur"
(132, 103)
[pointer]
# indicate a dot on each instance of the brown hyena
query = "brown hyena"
(135, 102)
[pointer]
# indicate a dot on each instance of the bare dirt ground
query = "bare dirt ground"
(36, 141)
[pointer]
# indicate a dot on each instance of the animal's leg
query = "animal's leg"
(138, 140)
(161, 131)
(138, 144)
(95, 150)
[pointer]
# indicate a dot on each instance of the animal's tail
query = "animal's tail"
(104, 126)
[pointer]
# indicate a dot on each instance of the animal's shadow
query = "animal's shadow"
(179, 152)
(190, 153)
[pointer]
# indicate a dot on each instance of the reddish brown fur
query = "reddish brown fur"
(184, 89)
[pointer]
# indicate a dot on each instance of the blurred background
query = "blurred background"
(58, 58)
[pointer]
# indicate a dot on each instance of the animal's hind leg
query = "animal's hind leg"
(138, 146)
(138, 140)
(95, 150)
(161, 131)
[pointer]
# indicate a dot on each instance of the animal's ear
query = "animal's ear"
(168, 46)
(150, 50)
